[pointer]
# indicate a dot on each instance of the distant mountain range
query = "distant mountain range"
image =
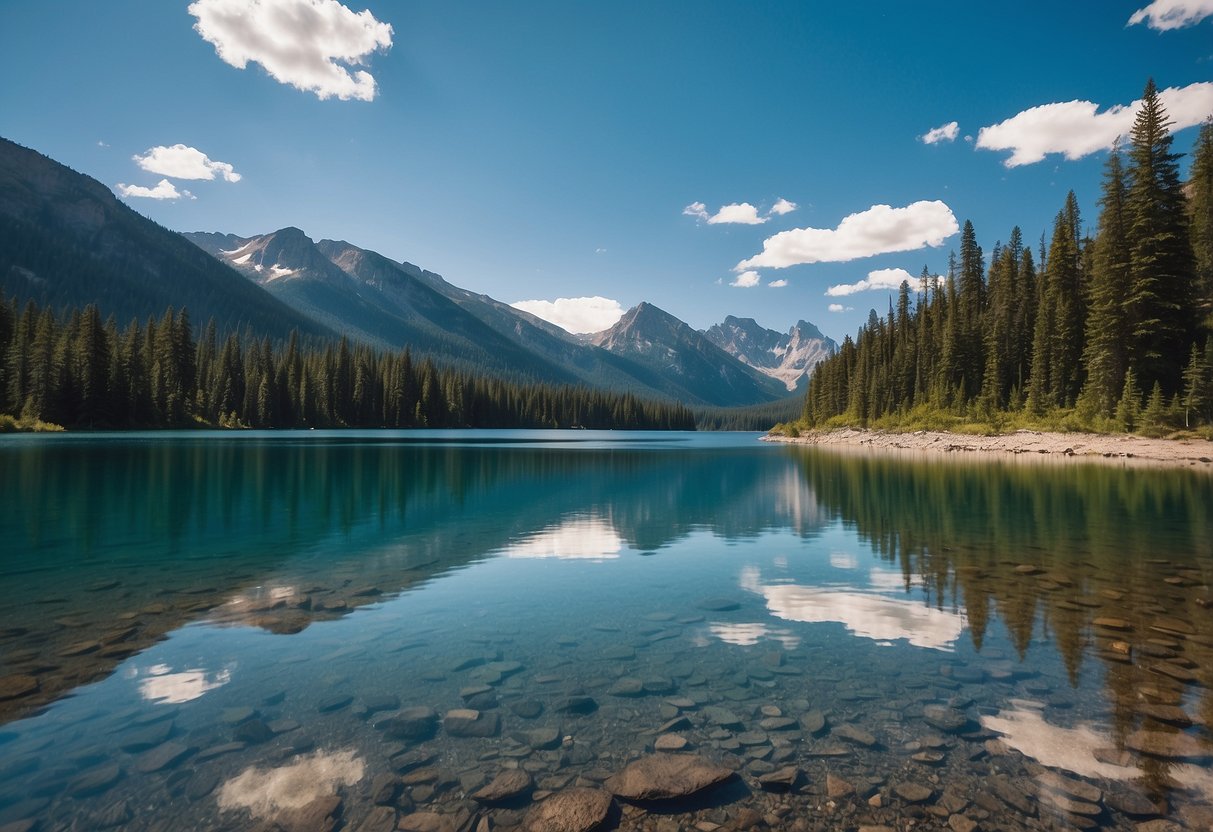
(788, 357)
(67, 241)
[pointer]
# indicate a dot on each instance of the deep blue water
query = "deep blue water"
(205, 630)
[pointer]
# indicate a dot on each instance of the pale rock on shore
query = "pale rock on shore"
(1118, 448)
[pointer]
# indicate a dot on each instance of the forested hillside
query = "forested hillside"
(1107, 332)
(80, 371)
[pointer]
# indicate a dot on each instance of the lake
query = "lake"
(445, 630)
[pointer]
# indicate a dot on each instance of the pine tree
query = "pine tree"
(1129, 407)
(1104, 355)
(1160, 296)
(1196, 386)
(1200, 220)
(971, 301)
(1155, 413)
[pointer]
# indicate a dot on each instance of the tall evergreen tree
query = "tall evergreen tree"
(1104, 356)
(1200, 220)
(1160, 298)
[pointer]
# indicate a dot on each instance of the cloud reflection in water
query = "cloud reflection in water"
(164, 687)
(578, 538)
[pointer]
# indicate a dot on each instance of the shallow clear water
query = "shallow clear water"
(209, 630)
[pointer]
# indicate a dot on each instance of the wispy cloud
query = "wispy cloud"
(309, 44)
(878, 230)
(782, 206)
(878, 279)
(1076, 128)
(738, 213)
(1165, 15)
(576, 315)
(778, 284)
(183, 162)
(162, 190)
(944, 133)
(838, 307)
(747, 280)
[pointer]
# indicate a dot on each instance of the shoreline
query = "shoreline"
(1084, 447)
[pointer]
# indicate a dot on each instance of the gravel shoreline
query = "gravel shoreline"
(1118, 448)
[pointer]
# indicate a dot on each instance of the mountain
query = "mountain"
(362, 293)
(682, 362)
(789, 357)
(66, 240)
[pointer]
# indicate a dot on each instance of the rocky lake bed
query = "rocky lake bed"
(799, 646)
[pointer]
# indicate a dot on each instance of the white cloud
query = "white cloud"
(746, 280)
(575, 315)
(1165, 15)
(782, 206)
(270, 792)
(741, 213)
(1077, 128)
(737, 213)
(183, 162)
(867, 615)
(778, 284)
(878, 279)
(878, 230)
(101, 144)
(943, 133)
(578, 538)
(838, 307)
(163, 190)
(309, 44)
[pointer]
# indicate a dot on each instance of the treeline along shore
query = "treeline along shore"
(78, 371)
(1110, 332)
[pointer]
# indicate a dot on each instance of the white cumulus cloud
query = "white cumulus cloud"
(778, 284)
(738, 213)
(1077, 128)
(575, 315)
(184, 162)
(783, 206)
(1164, 15)
(162, 190)
(878, 279)
(746, 280)
(310, 44)
(943, 133)
(878, 230)
(838, 307)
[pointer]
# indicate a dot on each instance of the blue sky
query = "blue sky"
(545, 150)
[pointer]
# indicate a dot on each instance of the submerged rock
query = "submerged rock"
(507, 785)
(780, 780)
(1168, 746)
(413, 724)
(579, 705)
(666, 776)
(465, 722)
(574, 810)
(855, 734)
(719, 604)
(948, 720)
(913, 792)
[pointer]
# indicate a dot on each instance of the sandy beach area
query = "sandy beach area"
(1038, 444)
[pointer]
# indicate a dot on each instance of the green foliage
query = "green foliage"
(1050, 350)
(79, 372)
(1129, 406)
(1200, 219)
